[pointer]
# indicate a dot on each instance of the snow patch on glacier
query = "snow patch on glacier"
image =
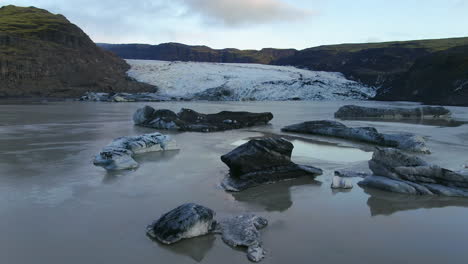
(238, 81)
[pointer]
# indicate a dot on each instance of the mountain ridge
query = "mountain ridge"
(173, 51)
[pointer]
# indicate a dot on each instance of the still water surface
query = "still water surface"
(56, 207)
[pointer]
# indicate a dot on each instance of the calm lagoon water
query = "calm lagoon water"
(56, 207)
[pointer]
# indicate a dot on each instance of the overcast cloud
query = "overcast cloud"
(245, 12)
(258, 24)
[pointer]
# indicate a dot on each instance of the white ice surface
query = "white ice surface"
(246, 81)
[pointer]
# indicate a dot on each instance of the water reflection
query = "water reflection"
(150, 157)
(337, 191)
(426, 122)
(387, 203)
(157, 156)
(322, 151)
(273, 197)
(195, 248)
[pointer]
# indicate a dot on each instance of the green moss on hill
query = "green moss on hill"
(30, 21)
(43, 54)
(432, 45)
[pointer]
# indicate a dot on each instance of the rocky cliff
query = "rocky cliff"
(181, 52)
(429, 71)
(438, 78)
(42, 54)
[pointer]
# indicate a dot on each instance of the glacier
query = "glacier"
(241, 81)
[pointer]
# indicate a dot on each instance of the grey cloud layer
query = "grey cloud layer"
(187, 21)
(215, 12)
(244, 12)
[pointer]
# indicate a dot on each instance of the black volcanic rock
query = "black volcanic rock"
(404, 141)
(356, 112)
(186, 221)
(189, 120)
(395, 171)
(42, 54)
(262, 161)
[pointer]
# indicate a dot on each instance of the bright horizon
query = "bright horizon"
(257, 24)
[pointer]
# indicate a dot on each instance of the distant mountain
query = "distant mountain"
(42, 54)
(429, 71)
(181, 52)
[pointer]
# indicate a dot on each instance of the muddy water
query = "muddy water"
(56, 207)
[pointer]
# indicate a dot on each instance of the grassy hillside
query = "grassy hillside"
(31, 22)
(43, 54)
(432, 45)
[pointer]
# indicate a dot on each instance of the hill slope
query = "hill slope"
(42, 54)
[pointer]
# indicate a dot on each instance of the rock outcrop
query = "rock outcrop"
(193, 220)
(398, 172)
(118, 155)
(42, 54)
(189, 120)
(404, 141)
(243, 231)
(355, 112)
(262, 161)
(186, 221)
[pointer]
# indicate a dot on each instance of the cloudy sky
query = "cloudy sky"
(261, 23)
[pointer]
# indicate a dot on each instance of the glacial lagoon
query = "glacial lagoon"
(59, 208)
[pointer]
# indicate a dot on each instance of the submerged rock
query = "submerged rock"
(341, 183)
(361, 112)
(242, 231)
(193, 220)
(262, 161)
(396, 171)
(189, 120)
(404, 141)
(118, 155)
(186, 221)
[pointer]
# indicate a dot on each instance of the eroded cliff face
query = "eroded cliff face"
(181, 52)
(42, 54)
(438, 78)
(428, 71)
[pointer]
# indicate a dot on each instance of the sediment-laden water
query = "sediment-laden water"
(56, 207)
